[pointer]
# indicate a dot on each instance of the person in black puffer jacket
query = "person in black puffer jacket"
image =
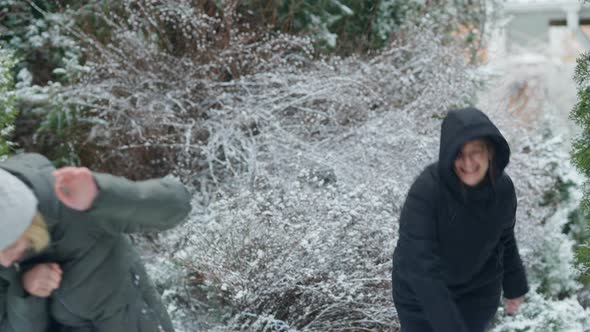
(456, 250)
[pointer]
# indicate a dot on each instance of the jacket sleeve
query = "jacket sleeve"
(420, 263)
(21, 312)
(514, 279)
(127, 206)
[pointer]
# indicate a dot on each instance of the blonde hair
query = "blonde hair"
(37, 233)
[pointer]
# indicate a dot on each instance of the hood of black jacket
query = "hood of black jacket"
(459, 127)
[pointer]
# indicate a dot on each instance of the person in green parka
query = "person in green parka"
(67, 264)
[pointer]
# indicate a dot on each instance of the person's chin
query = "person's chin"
(472, 181)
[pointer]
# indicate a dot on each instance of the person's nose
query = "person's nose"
(468, 160)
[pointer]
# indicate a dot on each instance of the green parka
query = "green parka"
(104, 285)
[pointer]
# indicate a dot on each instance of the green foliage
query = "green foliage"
(577, 226)
(370, 24)
(49, 57)
(40, 41)
(349, 26)
(581, 115)
(579, 229)
(346, 26)
(60, 125)
(8, 110)
(583, 257)
(558, 193)
(581, 147)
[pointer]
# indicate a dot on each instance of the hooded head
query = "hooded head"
(466, 125)
(18, 207)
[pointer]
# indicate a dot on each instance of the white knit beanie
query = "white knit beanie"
(18, 206)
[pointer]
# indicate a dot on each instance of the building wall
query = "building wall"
(530, 30)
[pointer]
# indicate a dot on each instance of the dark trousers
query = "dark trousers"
(412, 318)
(477, 308)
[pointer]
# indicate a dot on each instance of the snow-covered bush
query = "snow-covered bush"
(357, 27)
(342, 26)
(8, 110)
(147, 110)
(49, 56)
(302, 237)
(305, 255)
(139, 110)
(41, 40)
(547, 250)
(542, 314)
(522, 102)
(141, 77)
(581, 148)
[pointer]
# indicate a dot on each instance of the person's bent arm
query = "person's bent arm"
(421, 266)
(514, 283)
(121, 205)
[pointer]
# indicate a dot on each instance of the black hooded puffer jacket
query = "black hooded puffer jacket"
(456, 249)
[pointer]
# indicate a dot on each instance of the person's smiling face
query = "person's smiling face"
(472, 162)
